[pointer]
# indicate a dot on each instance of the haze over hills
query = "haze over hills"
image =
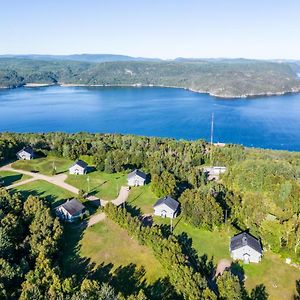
(229, 78)
(97, 58)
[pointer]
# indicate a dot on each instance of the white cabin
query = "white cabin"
(246, 248)
(166, 207)
(214, 172)
(70, 211)
(78, 168)
(136, 178)
(26, 153)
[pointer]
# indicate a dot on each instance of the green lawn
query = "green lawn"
(44, 165)
(108, 243)
(12, 177)
(103, 185)
(143, 198)
(43, 189)
(278, 277)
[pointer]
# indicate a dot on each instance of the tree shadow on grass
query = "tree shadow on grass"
(53, 201)
(202, 264)
(133, 210)
(70, 260)
(130, 279)
(238, 270)
(10, 179)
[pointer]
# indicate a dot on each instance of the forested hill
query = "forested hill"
(222, 78)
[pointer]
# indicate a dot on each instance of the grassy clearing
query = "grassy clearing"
(54, 194)
(107, 243)
(278, 277)
(103, 185)
(143, 198)
(9, 177)
(44, 165)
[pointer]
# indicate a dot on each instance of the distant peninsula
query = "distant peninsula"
(224, 78)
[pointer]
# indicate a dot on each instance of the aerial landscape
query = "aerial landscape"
(150, 150)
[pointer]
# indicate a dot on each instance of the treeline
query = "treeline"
(260, 190)
(30, 247)
(224, 78)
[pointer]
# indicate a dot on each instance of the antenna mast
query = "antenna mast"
(212, 129)
(211, 136)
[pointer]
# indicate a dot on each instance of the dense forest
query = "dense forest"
(260, 191)
(222, 78)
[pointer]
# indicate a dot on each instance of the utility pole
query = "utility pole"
(88, 182)
(171, 225)
(212, 129)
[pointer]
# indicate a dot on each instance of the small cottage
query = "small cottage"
(71, 210)
(26, 153)
(166, 207)
(245, 247)
(213, 173)
(78, 168)
(136, 178)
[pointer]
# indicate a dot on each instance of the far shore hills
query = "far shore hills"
(137, 85)
(222, 78)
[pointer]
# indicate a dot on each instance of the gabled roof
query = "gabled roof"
(27, 149)
(169, 201)
(73, 206)
(80, 163)
(245, 239)
(137, 172)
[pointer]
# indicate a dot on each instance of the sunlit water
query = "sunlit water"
(268, 122)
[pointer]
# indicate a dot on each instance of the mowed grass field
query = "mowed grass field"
(54, 194)
(44, 165)
(104, 185)
(10, 177)
(142, 198)
(108, 243)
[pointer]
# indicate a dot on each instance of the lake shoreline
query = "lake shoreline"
(153, 111)
(138, 85)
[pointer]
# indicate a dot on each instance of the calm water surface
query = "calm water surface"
(271, 122)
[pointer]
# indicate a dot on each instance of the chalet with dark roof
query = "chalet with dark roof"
(136, 178)
(166, 207)
(71, 210)
(245, 247)
(78, 168)
(26, 153)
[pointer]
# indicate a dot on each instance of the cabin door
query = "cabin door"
(163, 213)
(246, 258)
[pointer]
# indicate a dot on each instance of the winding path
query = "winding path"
(58, 180)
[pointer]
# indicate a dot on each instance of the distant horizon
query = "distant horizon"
(147, 57)
(257, 29)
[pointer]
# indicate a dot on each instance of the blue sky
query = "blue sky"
(152, 28)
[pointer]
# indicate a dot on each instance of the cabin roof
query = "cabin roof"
(245, 239)
(169, 201)
(73, 206)
(80, 163)
(137, 172)
(27, 149)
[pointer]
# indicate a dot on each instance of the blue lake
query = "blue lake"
(268, 122)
